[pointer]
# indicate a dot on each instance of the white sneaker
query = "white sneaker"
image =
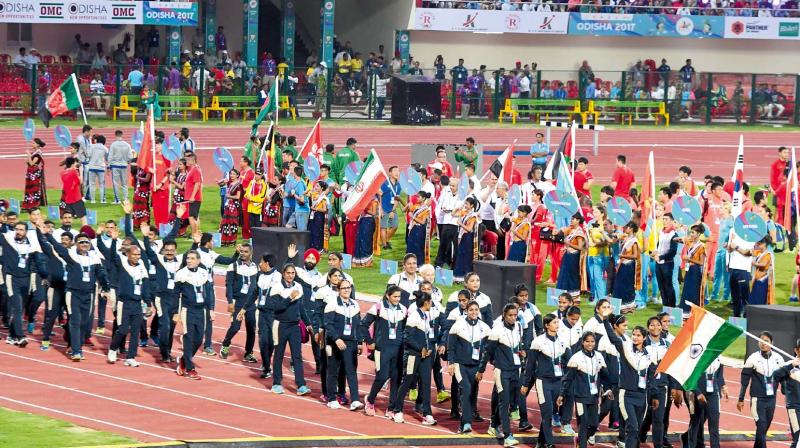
(428, 420)
(334, 405)
(356, 405)
(131, 363)
(567, 430)
(590, 440)
(398, 417)
(112, 356)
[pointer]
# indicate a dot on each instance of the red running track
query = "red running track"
(152, 404)
(707, 152)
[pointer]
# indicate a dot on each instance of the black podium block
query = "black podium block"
(499, 277)
(416, 100)
(782, 321)
(276, 240)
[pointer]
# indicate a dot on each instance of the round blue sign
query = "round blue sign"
(28, 129)
(619, 211)
(223, 160)
(561, 204)
(311, 167)
(136, 140)
(63, 137)
(171, 149)
(686, 210)
(750, 227)
(352, 170)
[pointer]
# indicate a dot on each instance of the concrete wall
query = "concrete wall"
(554, 52)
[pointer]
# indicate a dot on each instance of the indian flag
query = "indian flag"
(703, 337)
(367, 185)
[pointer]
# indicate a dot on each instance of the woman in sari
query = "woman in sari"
(518, 235)
(628, 277)
(141, 198)
(232, 211)
(694, 259)
(572, 274)
(467, 250)
(761, 289)
(35, 193)
(178, 180)
(272, 211)
(367, 235)
(418, 241)
(319, 210)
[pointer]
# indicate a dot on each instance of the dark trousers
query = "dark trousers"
(236, 324)
(506, 389)
(388, 366)
(448, 237)
(166, 307)
(209, 330)
(129, 319)
(565, 411)
(342, 360)
(79, 307)
(288, 333)
(417, 367)
(740, 290)
(55, 299)
(255, 220)
(17, 288)
(34, 300)
(588, 421)
(467, 392)
(610, 407)
(765, 409)
(655, 418)
(632, 406)
(266, 344)
(323, 376)
(194, 326)
(547, 391)
(699, 413)
(102, 303)
(664, 278)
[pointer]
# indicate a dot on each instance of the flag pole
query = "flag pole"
(796, 194)
(770, 345)
(264, 145)
(80, 99)
(309, 134)
(151, 122)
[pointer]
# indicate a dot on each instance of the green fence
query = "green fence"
(635, 95)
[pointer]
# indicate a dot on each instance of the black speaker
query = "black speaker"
(782, 321)
(499, 277)
(276, 241)
(416, 100)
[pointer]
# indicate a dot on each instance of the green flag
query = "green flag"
(270, 105)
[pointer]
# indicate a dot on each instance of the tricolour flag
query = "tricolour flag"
(791, 194)
(738, 181)
(270, 105)
(649, 195)
(367, 185)
(566, 151)
(65, 98)
(266, 157)
(703, 337)
(503, 167)
(313, 145)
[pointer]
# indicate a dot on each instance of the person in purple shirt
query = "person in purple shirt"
(475, 85)
(270, 68)
(221, 42)
(173, 86)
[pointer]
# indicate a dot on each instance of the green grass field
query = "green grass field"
(50, 432)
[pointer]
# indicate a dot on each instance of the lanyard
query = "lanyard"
(514, 344)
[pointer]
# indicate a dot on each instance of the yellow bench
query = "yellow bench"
(184, 103)
(244, 103)
(626, 109)
(127, 103)
(540, 107)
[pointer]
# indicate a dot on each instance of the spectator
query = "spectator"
(44, 81)
(546, 92)
(153, 42)
(585, 74)
(438, 65)
(459, 73)
(380, 94)
(356, 69)
(201, 73)
(590, 92)
(98, 91)
(173, 86)
(776, 102)
(270, 69)
(560, 93)
(97, 168)
(396, 64)
(77, 45)
(524, 84)
(119, 56)
(415, 70)
(687, 75)
(99, 61)
(85, 56)
(475, 86)
(221, 42)
(135, 79)
(119, 157)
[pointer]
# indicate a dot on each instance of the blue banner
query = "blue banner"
(250, 25)
(649, 25)
(326, 24)
(171, 13)
(287, 46)
(210, 10)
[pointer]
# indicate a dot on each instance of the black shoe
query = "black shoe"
(266, 375)
(666, 444)
(525, 426)
(388, 245)
(317, 371)
(477, 418)
(455, 415)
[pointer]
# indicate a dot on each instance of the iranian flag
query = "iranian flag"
(367, 185)
(65, 98)
(313, 145)
(703, 337)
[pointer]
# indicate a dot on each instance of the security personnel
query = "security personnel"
(22, 259)
(190, 282)
(134, 283)
(84, 272)
(388, 320)
(57, 276)
(166, 265)
(545, 367)
(208, 258)
(466, 347)
(582, 382)
(240, 282)
(758, 374)
(342, 322)
(268, 276)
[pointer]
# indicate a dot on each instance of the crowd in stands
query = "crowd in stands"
(742, 8)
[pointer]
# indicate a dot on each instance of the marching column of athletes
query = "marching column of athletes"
(592, 370)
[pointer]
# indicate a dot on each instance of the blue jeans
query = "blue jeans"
(381, 103)
(597, 266)
(301, 219)
(721, 277)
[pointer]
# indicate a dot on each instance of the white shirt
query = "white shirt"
(736, 259)
(447, 201)
(524, 84)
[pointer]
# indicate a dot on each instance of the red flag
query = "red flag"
(791, 193)
(649, 191)
(146, 158)
(503, 167)
(313, 145)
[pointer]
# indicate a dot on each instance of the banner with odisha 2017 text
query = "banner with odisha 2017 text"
(99, 12)
(651, 25)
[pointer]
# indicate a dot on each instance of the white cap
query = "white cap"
(323, 64)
